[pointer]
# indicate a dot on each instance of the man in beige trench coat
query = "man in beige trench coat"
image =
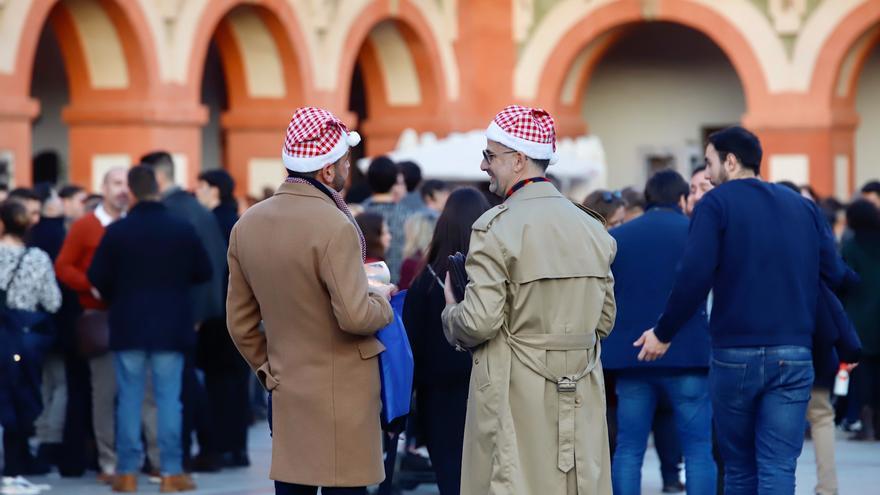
(296, 263)
(540, 297)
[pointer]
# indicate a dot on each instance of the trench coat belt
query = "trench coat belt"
(566, 385)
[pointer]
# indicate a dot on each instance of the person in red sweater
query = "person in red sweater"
(70, 267)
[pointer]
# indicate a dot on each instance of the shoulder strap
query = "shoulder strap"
(591, 212)
(15, 270)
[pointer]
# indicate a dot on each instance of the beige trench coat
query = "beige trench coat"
(295, 263)
(540, 296)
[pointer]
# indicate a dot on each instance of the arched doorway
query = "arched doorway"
(250, 83)
(867, 104)
(88, 66)
(654, 95)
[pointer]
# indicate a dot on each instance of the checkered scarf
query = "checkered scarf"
(340, 203)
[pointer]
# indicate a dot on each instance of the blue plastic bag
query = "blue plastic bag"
(395, 364)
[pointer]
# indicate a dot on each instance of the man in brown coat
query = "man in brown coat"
(296, 264)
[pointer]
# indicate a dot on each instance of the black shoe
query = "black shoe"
(236, 459)
(414, 462)
(674, 487)
(206, 463)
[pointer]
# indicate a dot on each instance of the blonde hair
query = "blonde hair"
(419, 229)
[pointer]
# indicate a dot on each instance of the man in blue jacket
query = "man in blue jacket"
(144, 268)
(763, 251)
(649, 249)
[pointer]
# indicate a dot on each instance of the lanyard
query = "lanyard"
(523, 183)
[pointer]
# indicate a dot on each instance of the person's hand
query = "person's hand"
(95, 293)
(447, 291)
(851, 366)
(652, 348)
(385, 290)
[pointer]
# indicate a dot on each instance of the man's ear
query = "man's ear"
(683, 202)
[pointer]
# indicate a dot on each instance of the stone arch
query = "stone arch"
(597, 31)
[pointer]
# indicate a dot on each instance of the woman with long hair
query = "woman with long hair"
(27, 281)
(376, 235)
(419, 230)
(441, 373)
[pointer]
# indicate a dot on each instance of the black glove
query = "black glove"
(458, 276)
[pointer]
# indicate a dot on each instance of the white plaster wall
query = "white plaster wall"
(655, 91)
(868, 106)
(49, 87)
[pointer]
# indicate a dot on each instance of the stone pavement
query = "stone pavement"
(858, 467)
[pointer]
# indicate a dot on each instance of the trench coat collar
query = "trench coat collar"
(533, 191)
(307, 190)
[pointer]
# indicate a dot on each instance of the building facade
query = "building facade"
(100, 82)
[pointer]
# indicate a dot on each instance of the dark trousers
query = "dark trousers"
(444, 409)
(74, 459)
(389, 446)
(666, 442)
(228, 394)
(196, 412)
(17, 458)
(282, 488)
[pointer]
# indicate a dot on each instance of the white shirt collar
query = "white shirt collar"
(103, 216)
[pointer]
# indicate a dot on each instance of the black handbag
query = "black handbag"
(458, 276)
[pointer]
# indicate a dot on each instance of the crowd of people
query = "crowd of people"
(144, 310)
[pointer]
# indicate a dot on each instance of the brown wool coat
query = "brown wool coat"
(295, 264)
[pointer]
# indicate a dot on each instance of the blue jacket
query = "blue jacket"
(208, 298)
(649, 250)
(762, 249)
(144, 268)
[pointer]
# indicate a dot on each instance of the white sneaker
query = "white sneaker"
(21, 486)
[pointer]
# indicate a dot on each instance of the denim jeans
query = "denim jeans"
(760, 397)
(167, 371)
(638, 394)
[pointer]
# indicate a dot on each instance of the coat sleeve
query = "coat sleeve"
(357, 309)
(72, 251)
(200, 263)
(243, 316)
(480, 315)
(49, 293)
(609, 308)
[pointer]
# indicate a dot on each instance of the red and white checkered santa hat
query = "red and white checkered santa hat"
(315, 138)
(528, 130)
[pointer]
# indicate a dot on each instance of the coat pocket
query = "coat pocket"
(370, 347)
(264, 374)
(480, 370)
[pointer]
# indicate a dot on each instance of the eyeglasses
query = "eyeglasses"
(609, 196)
(488, 155)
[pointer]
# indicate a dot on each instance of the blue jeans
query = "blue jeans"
(167, 369)
(760, 397)
(638, 394)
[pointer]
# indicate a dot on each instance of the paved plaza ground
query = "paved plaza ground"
(858, 467)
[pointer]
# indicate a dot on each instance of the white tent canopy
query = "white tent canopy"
(457, 157)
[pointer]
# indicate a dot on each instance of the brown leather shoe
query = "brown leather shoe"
(125, 483)
(176, 483)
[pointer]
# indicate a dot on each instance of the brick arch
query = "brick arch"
(424, 50)
(603, 25)
(132, 33)
(843, 43)
(281, 23)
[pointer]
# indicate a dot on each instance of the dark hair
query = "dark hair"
(453, 231)
(412, 175)
(222, 181)
(665, 188)
(160, 160)
(23, 193)
(603, 202)
(4, 187)
(871, 187)
(789, 184)
(431, 187)
(863, 217)
(382, 174)
(701, 168)
(142, 182)
(371, 226)
(632, 198)
(542, 164)
(70, 191)
(810, 190)
(739, 142)
(15, 219)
